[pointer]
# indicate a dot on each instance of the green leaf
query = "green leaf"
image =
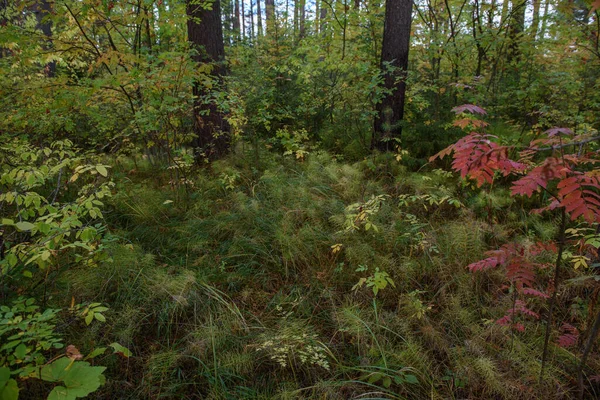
(9, 389)
(102, 170)
(79, 378)
(24, 226)
(21, 351)
(96, 353)
(89, 317)
(124, 351)
(99, 317)
(411, 379)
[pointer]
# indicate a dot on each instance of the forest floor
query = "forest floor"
(315, 278)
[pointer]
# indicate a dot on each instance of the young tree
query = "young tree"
(394, 63)
(206, 36)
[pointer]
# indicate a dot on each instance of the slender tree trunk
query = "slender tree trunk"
(3, 20)
(251, 20)
(323, 17)
(43, 9)
(236, 20)
(302, 18)
(544, 20)
(270, 14)
(394, 51)
(243, 20)
(259, 18)
(206, 36)
(535, 21)
(516, 28)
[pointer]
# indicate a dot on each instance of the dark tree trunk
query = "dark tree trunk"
(535, 21)
(243, 21)
(206, 36)
(302, 18)
(270, 14)
(251, 20)
(259, 18)
(42, 10)
(396, 43)
(236, 20)
(3, 20)
(323, 16)
(516, 28)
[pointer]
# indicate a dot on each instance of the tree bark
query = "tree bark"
(259, 18)
(535, 21)
(243, 21)
(236, 20)
(516, 28)
(323, 16)
(302, 18)
(206, 36)
(251, 20)
(394, 51)
(270, 14)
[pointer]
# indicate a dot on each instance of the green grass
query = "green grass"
(202, 278)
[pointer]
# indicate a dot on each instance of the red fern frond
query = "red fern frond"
(569, 337)
(471, 108)
(578, 195)
(556, 131)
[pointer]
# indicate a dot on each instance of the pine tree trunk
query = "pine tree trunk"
(251, 20)
(302, 18)
(535, 21)
(206, 36)
(323, 17)
(243, 21)
(396, 43)
(259, 18)
(270, 14)
(236, 20)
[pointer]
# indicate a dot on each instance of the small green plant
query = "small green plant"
(377, 281)
(27, 334)
(358, 215)
(291, 347)
(229, 179)
(294, 142)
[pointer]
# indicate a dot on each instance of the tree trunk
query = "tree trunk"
(243, 21)
(535, 21)
(206, 36)
(270, 14)
(251, 20)
(302, 18)
(259, 18)
(236, 20)
(516, 28)
(3, 20)
(323, 17)
(394, 51)
(42, 10)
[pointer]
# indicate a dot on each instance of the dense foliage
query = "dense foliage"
(178, 225)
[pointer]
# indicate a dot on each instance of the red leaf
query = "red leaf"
(569, 336)
(472, 108)
(556, 131)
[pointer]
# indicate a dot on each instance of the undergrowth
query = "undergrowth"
(243, 284)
